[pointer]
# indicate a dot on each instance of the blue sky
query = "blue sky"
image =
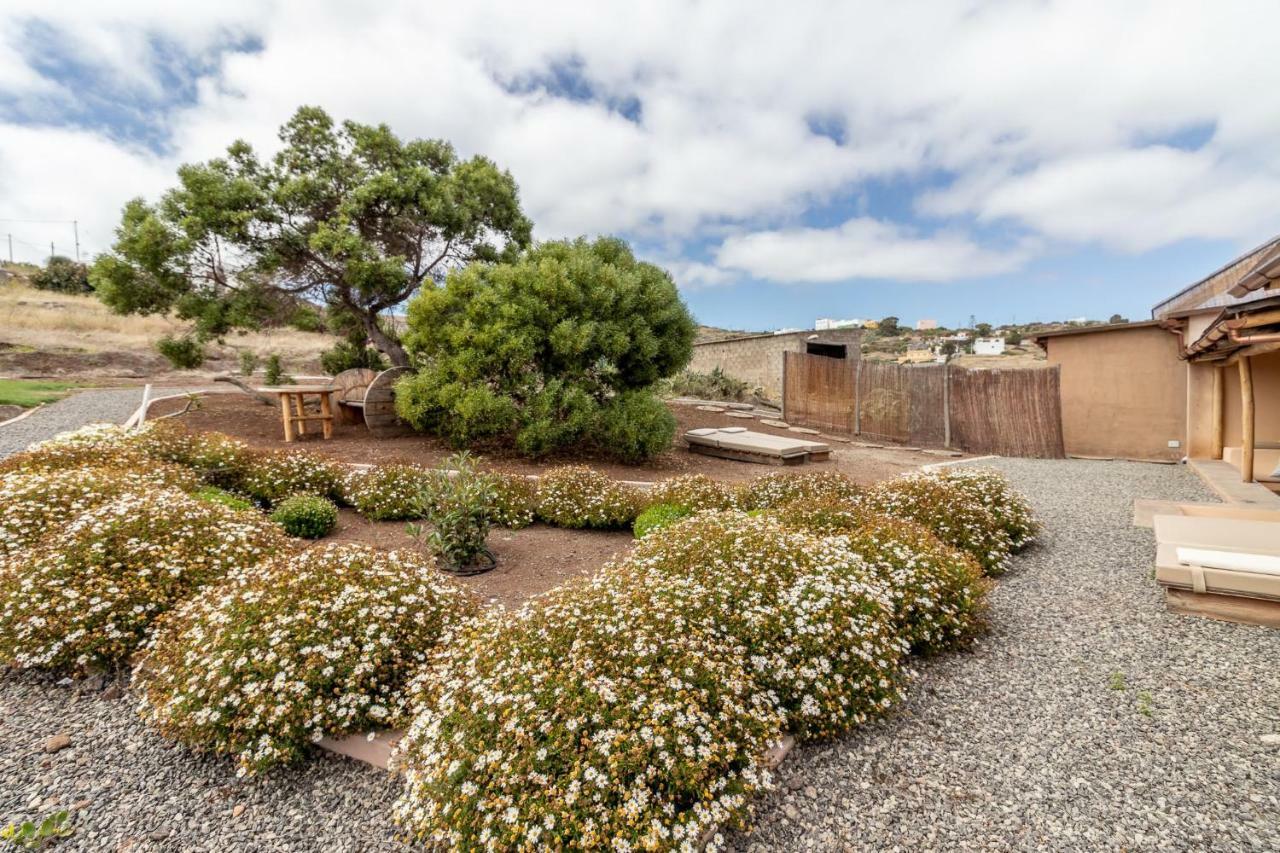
(1019, 159)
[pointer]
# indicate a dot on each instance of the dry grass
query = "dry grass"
(47, 321)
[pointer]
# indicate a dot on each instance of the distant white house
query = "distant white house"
(925, 325)
(825, 324)
(988, 346)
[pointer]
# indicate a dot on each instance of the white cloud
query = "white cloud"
(862, 248)
(1036, 109)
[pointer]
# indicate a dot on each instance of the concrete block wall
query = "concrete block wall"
(757, 359)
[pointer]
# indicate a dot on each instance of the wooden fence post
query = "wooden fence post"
(1246, 419)
(784, 385)
(946, 404)
(857, 398)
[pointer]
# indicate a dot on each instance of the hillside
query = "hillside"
(47, 334)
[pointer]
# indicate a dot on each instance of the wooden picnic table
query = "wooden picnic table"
(292, 408)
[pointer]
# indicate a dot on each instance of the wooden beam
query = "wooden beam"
(1219, 411)
(1246, 419)
(1250, 351)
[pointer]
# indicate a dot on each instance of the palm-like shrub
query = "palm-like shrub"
(695, 492)
(577, 496)
(297, 648)
(993, 491)
(32, 503)
(946, 512)
(574, 727)
(385, 492)
(780, 488)
(85, 595)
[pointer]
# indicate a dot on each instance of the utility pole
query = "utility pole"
(75, 226)
(50, 250)
(10, 248)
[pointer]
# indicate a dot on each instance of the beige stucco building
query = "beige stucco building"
(1201, 379)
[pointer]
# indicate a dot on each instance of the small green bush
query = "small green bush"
(658, 516)
(457, 501)
(318, 643)
(185, 353)
(715, 385)
(273, 373)
(345, 355)
(215, 495)
(306, 516)
(634, 426)
(248, 362)
(63, 275)
(385, 492)
(576, 496)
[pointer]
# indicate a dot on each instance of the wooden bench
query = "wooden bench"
(367, 397)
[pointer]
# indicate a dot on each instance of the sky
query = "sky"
(1012, 160)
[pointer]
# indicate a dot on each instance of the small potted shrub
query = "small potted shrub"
(458, 505)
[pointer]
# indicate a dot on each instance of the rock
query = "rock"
(867, 444)
(939, 452)
(1271, 740)
(773, 423)
(745, 415)
(710, 408)
(158, 835)
(57, 743)
(804, 430)
(911, 449)
(791, 811)
(828, 437)
(111, 694)
(238, 810)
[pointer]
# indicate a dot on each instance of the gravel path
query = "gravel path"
(84, 407)
(1089, 719)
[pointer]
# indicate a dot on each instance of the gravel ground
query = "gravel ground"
(1089, 719)
(85, 407)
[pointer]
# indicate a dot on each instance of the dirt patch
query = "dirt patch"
(530, 561)
(259, 425)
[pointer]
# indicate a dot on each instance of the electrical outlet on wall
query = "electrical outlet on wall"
(1173, 442)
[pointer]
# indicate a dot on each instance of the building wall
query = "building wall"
(757, 360)
(1123, 393)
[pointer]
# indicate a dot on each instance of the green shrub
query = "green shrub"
(273, 373)
(457, 501)
(938, 592)
(696, 492)
(85, 594)
(270, 476)
(248, 362)
(947, 512)
(63, 275)
(320, 643)
(306, 516)
(514, 499)
(307, 318)
(576, 496)
(572, 728)
(345, 355)
(215, 495)
(777, 489)
(385, 492)
(31, 504)
(658, 516)
(185, 353)
(715, 385)
(634, 426)
(993, 491)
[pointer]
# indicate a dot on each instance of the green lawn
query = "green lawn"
(31, 392)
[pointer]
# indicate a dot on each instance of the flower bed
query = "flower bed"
(576, 496)
(385, 492)
(83, 596)
(780, 488)
(296, 648)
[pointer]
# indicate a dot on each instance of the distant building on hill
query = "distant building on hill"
(988, 346)
(926, 325)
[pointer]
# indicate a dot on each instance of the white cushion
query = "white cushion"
(1262, 564)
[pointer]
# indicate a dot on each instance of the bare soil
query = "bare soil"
(531, 561)
(259, 425)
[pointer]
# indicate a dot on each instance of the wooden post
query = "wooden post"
(1246, 419)
(286, 415)
(302, 414)
(326, 412)
(785, 359)
(946, 405)
(857, 398)
(1219, 410)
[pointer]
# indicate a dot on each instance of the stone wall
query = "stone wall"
(757, 359)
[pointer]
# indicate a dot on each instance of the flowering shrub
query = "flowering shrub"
(306, 516)
(774, 490)
(32, 503)
(385, 492)
(570, 726)
(514, 499)
(85, 594)
(95, 445)
(296, 648)
(272, 475)
(658, 516)
(819, 635)
(993, 491)
(695, 492)
(938, 591)
(577, 496)
(217, 458)
(947, 513)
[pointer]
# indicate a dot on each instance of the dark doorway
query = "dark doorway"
(829, 350)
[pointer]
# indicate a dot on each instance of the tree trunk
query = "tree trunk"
(389, 346)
